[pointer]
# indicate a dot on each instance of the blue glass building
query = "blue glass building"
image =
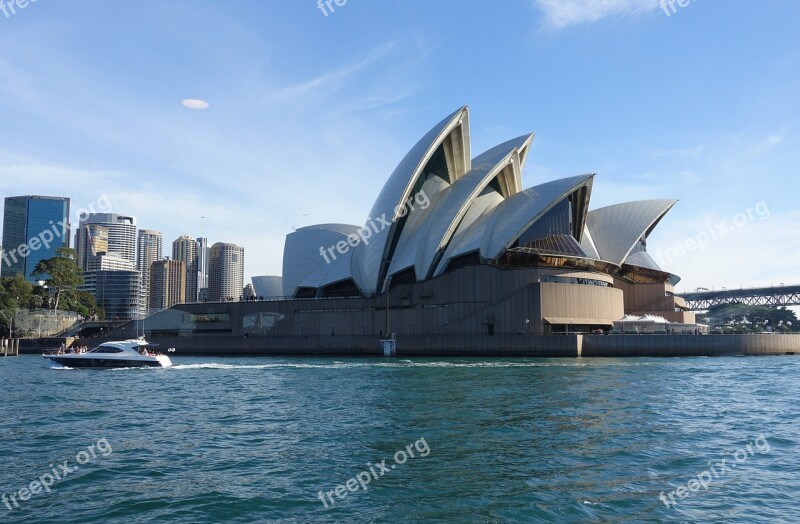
(34, 228)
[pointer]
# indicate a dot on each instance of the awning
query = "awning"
(553, 321)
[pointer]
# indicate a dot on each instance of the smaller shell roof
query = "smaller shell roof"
(516, 214)
(616, 229)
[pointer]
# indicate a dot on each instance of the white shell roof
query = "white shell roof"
(268, 286)
(481, 209)
(456, 201)
(304, 266)
(411, 239)
(616, 229)
(642, 259)
(587, 244)
(516, 214)
(368, 259)
(470, 232)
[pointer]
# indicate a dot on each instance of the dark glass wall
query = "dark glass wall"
(557, 221)
(14, 235)
(47, 218)
(34, 228)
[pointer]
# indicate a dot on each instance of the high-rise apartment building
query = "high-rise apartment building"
(34, 228)
(167, 284)
(184, 249)
(105, 234)
(149, 250)
(106, 246)
(226, 272)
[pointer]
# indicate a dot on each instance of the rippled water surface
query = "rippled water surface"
(494, 440)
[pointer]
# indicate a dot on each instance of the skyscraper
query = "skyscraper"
(167, 284)
(203, 252)
(184, 249)
(150, 245)
(226, 272)
(106, 245)
(34, 228)
(106, 235)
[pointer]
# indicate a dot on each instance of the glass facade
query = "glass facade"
(557, 221)
(575, 280)
(34, 228)
(117, 292)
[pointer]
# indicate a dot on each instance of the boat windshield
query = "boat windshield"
(106, 349)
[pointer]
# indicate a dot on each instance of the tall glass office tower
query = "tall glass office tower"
(149, 250)
(34, 228)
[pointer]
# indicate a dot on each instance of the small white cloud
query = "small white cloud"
(562, 13)
(194, 103)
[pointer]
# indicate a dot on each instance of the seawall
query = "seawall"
(572, 346)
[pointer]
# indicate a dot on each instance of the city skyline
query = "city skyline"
(670, 114)
(115, 256)
(20, 235)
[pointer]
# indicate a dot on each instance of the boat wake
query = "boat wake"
(350, 365)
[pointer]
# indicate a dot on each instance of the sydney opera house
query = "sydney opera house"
(460, 246)
(455, 246)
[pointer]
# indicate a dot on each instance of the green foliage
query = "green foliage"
(63, 274)
(61, 289)
(753, 319)
(15, 294)
(84, 304)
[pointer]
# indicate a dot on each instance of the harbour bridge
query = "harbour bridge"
(774, 296)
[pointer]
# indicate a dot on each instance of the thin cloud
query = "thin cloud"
(333, 78)
(680, 153)
(562, 13)
(17, 178)
(772, 141)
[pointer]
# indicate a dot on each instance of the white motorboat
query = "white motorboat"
(134, 353)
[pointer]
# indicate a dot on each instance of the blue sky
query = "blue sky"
(309, 114)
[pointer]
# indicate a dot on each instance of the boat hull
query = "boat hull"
(106, 363)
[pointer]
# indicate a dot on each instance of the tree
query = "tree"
(15, 293)
(86, 305)
(18, 290)
(754, 319)
(61, 273)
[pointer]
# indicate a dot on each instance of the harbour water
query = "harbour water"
(464, 440)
